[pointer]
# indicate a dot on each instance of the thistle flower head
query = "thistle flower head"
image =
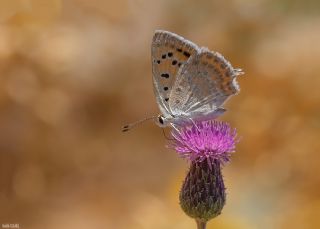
(211, 140)
(207, 145)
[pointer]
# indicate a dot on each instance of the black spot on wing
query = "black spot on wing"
(187, 54)
(165, 75)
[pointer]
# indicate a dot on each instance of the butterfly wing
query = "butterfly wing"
(203, 84)
(169, 52)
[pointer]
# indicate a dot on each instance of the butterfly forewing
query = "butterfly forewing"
(203, 84)
(169, 53)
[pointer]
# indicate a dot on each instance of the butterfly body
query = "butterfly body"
(190, 83)
(188, 119)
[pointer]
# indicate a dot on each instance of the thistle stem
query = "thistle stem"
(201, 224)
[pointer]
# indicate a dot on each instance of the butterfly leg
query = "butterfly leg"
(174, 127)
(192, 121)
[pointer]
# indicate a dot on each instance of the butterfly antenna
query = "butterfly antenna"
(131, 125)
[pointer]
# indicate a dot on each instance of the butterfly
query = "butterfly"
(190, 83)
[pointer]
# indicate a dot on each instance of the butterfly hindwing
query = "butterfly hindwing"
(169, 53)
(203, 84)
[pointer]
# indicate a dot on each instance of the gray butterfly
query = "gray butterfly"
(190, 83)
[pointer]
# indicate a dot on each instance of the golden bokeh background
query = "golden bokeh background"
(73, 72)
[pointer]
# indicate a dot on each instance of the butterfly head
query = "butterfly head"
(161, 121)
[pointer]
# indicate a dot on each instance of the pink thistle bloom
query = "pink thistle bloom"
(206, 140)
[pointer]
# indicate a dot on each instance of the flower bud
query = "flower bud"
(203, 192)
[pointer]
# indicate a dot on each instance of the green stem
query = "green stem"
(201, 224)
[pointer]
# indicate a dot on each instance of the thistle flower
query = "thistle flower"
(207, 145)
(205, 140)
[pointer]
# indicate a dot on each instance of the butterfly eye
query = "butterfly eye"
(160, 118)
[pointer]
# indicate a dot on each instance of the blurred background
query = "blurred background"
(73, 72)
